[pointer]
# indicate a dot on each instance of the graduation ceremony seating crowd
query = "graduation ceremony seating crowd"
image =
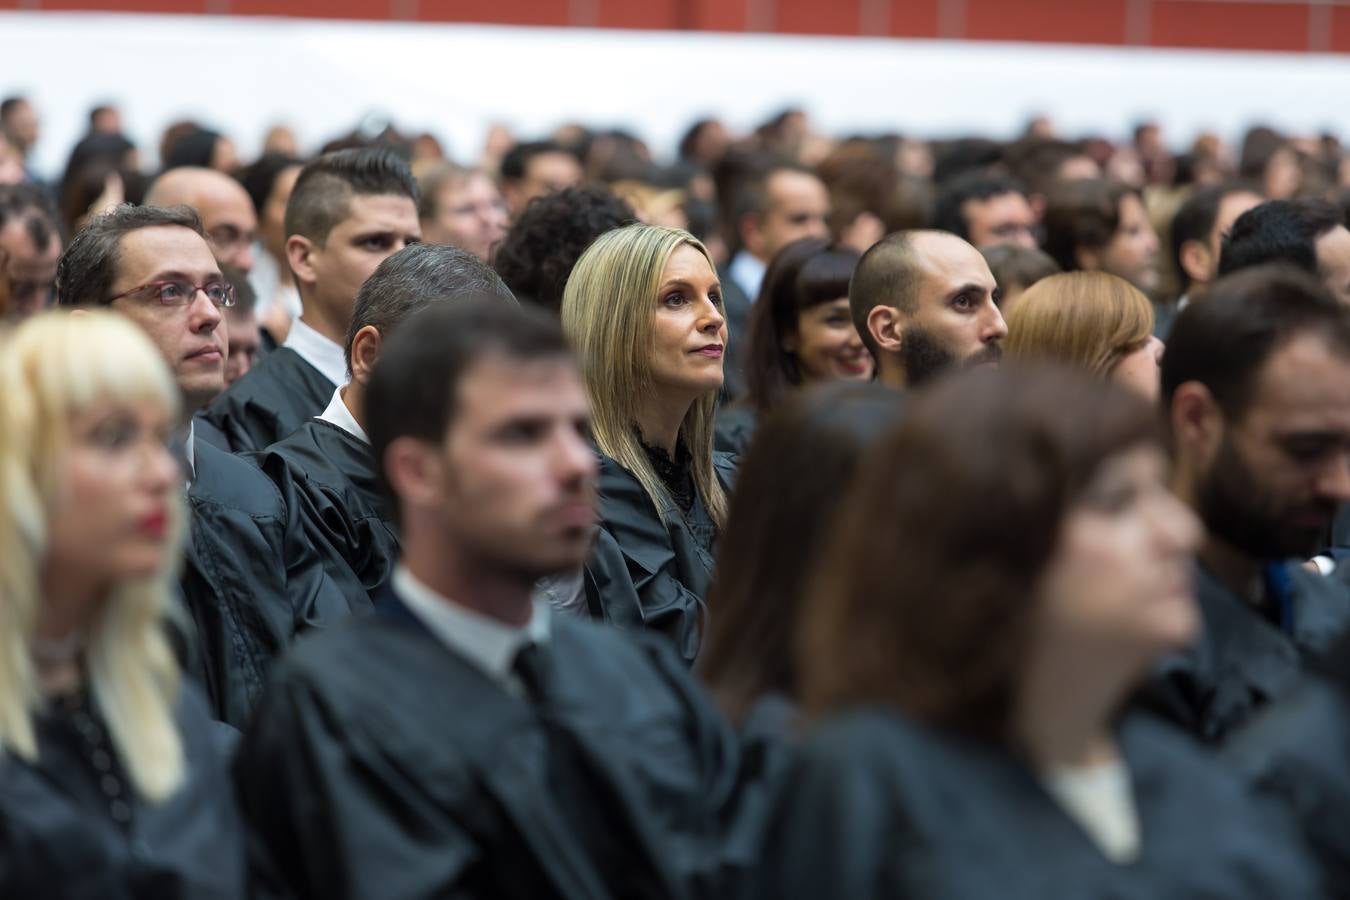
(812, 516)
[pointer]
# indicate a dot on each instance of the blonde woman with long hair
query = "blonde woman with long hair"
(113, 779)
(643, 310)
(1092, 321)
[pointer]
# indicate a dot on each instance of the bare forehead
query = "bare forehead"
(164, 248)
(1306, 375)
(499, 386)
(688, 264)
(390, 211)
(950, 262)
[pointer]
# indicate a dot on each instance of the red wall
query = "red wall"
(1292, 25)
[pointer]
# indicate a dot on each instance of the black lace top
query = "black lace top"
(675, 474)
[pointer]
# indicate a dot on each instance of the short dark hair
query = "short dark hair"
(1015, 264)
(1083, 213)
(949, 214)
(414, 278)
(548, 238)
(753, 198)
(1021, 445)
(323, 191)
(814, 441)
(259, 178)
(1278, 231)
(88, 268)
(245, 298)
(887, 275)
(31, 204)
(9, 104)
(1195, 219)
(805, 273)
(1036, 162)
(414, 389)
(516, 162)
(1224, 341)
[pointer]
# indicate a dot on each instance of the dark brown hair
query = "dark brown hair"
(805, 273)
(924, 599)
(1082, 213)
(788, 489)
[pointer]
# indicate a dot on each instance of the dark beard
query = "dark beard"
(924, 358)
(1240, 510)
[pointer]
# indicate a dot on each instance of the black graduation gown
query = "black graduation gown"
(59, 840)
(273, 399)
(645, 574)
(1242, 661)
(382, 764)
(734, 428)
(1297, 750)
(736, 307)
(877, 807)
(251, 580)
(332, 476)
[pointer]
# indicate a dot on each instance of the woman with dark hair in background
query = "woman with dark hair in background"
(789, 486)
(1009, 565)
(800, 332)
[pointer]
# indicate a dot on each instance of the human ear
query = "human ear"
(299, 254)
(1196, 261)
(414, 472)
(886, 327)
(365, 352)
(1197, 423)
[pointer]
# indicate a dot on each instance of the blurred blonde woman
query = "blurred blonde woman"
(1092, 321)
(113, 780)
(643, 310)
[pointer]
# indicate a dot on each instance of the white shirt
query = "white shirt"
(267, 284)
(1101, 800)
(748, 273)
(486, 643)
(318, 351)
(190, 451)
(338, 414)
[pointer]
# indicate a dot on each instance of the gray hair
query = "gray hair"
(416, 277)
(88, 268)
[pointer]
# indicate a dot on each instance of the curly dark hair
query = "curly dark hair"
(538, 253)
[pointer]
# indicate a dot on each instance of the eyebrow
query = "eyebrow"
(176, 275)
(967, 288)
(685, 282)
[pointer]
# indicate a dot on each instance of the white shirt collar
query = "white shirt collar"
(486, 643)
(190, 452)
(318, 351)
(748, 273)
(338, 414)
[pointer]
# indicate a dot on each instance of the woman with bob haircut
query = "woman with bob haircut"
(788, 489)
(970, 642)
(113, 780)
(1092, 321)
(643, 310)
(800, 332)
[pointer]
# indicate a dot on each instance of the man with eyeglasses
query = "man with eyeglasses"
(231, 226)
(251, 579)
(30, 244)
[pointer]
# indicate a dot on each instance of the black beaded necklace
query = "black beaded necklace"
(98, 751)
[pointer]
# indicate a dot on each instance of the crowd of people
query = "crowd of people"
(807, 517)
